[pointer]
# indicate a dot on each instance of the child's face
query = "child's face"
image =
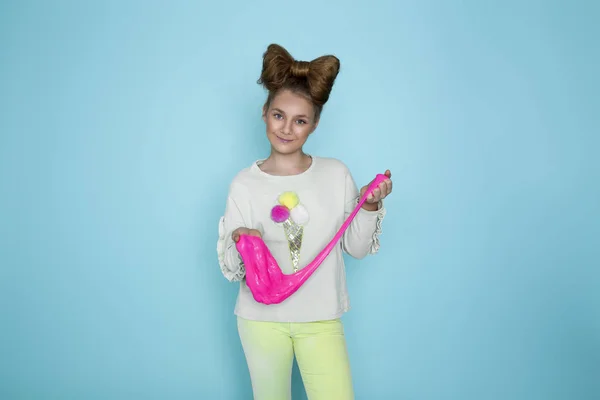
(290, 120)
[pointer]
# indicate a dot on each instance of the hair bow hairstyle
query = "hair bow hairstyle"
(279, 68)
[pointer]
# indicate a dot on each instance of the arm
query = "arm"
(237, 212)
(362, 236)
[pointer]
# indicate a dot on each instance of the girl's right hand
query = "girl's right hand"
(244, 231)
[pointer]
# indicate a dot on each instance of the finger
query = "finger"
(236, 237)
(388, 187)
(382, 193)
(376, 195)
(388, 173)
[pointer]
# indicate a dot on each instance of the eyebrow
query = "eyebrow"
(283, 112)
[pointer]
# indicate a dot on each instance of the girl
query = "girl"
(321, 193)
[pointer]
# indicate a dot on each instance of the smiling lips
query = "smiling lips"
(283, 140)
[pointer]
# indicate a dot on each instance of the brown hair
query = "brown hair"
(314, 79)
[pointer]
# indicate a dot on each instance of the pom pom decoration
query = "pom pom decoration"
(299, 214)
(280, 213)
(289, 199)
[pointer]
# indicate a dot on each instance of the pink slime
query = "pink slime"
(264, 277)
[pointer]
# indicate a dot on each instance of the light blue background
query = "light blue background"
(122, 124)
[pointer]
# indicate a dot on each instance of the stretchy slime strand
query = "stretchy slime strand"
(264, 277)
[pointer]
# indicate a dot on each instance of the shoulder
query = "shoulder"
(332, 165)
(246, 179)
(242, 176)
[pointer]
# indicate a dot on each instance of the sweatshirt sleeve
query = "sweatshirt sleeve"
(362, 236)
(237, 214)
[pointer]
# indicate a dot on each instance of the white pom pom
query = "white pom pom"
(299, 214)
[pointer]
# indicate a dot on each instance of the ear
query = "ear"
(264, 113)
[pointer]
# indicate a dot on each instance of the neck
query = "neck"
(287, 164)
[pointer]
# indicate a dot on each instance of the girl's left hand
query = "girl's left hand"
(384, 189)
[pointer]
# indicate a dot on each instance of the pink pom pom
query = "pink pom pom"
(280, 213)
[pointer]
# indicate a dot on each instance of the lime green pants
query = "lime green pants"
(320, 351)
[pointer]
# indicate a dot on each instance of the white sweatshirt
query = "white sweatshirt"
(327, 191)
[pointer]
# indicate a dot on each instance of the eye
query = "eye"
(301, 122)
(278, 116)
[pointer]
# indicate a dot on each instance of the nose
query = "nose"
(286, 129)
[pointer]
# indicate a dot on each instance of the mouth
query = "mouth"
(284, 141)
